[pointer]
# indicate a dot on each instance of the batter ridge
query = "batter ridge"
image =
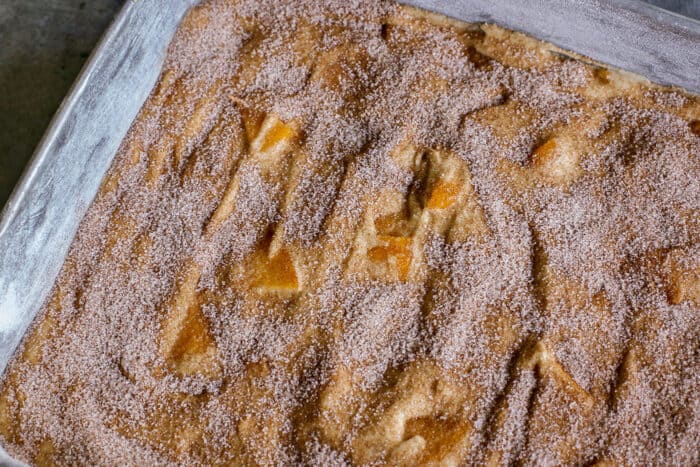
(356, 233)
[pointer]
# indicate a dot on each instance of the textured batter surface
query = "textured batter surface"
(346, 232)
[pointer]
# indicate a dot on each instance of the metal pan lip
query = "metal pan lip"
(16, 214)
(41, 153)
(628, 35)
(42, 150)
(9, 210)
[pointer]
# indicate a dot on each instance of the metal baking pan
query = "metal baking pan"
(39, 221)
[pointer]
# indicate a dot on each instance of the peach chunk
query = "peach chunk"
(279, 132)
(278, 273)
(394, 250)
(444, 195)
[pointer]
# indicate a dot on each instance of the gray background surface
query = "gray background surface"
(43, 45)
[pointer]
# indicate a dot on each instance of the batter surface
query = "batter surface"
(349, 232)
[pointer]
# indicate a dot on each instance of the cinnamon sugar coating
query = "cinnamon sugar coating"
(349, 232)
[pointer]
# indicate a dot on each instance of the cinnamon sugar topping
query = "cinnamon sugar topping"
(350, 232)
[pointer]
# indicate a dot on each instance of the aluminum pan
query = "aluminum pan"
(42, 215)
(627, 34)
(39, 221)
